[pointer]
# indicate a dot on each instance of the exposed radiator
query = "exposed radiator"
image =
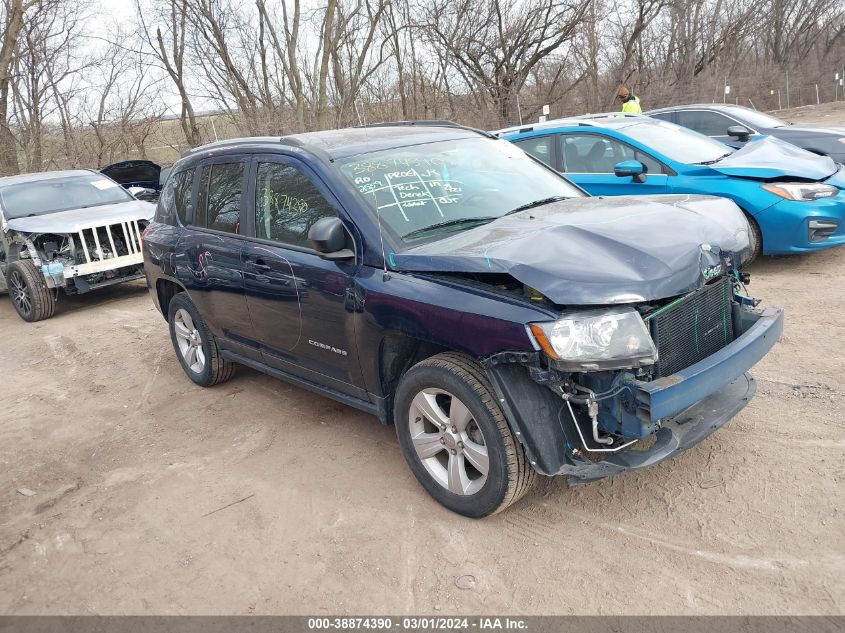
(693, 327)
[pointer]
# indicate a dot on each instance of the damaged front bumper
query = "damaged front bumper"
(675, 436)
(687, 406)
(666, 397)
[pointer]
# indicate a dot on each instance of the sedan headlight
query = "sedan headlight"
(607, 338)
(801, 190)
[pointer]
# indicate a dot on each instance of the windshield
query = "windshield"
(66, 193)
(433, 189)
(676, 142)
(756, 119)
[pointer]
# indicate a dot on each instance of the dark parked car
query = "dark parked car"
(735, 125)
(506, 323)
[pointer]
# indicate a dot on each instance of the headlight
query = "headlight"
(801, 190)
(608, 338)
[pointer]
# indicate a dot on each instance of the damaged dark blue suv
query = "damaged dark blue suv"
(506, 323)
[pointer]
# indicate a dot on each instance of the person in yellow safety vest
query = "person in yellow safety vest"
(630, 103)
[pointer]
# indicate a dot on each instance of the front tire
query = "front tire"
(455, 437)
(195, 346)
(29, 293)
(756, 238)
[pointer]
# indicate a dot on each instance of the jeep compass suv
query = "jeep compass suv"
(505, 322)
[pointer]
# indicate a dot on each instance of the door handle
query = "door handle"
(260, 267)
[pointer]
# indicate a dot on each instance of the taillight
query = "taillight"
(144, 235)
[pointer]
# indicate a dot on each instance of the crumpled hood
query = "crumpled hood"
(76, 219)
(585, 251)
(772, 157)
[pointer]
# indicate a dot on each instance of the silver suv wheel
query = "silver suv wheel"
(448, 441)
(189, 341)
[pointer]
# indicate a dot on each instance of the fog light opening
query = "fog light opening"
(820, 230)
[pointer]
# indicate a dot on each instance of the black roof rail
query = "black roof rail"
(289, 140)
(229, 142)
(430, 123)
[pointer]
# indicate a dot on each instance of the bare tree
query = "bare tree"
(496, 44)
(47, 55)
(13, 18)
(167, 45)
(285, 50)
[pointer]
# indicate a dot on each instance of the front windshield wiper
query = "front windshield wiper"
(536, 203)
(482, 220)
(448, 223)
(715, 160)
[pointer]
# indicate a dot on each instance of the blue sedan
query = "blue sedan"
(794, 199)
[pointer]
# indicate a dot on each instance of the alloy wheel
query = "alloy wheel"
(448, 441)
(189, 341)
(20, 293)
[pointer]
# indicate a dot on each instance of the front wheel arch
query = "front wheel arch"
(509, 473)
(756, 236)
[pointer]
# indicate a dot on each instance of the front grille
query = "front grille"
(108, 242)
(693, 327)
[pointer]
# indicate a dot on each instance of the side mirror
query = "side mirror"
(739, 132)
(328, 237)
(633, 168)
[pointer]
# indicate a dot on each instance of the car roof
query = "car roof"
(346, 142)
(610, 121)
(724, 107)
(43, 175)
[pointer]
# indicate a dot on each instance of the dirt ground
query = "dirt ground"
(152, 495)
(825, 114)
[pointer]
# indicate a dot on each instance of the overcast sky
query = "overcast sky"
(123, 12)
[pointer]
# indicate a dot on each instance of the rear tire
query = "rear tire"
(195, 346)
(434, 398)
(29, 293)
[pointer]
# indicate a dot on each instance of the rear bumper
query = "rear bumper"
(666, 397)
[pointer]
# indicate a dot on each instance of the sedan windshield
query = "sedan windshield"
(676, 142)
(432, 189)
(756, 119)
(65, 193)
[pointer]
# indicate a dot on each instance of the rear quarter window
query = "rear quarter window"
(540, 147)
(175, 201)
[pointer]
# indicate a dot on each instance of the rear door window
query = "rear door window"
(540, 147)
(221, 193)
